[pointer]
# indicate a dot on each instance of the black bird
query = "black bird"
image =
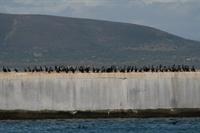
(4, 69)
(16, 70)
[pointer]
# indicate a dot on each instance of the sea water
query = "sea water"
(132, 125)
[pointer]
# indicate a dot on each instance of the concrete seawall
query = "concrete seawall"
(165, 93)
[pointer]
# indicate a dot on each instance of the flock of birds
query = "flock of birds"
(103, 69)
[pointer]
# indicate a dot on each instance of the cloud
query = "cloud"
(44, 6)
(57, 6)
(164, 1)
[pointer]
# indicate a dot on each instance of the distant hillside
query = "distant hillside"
(41, 39)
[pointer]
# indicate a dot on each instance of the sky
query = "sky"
(180, 17)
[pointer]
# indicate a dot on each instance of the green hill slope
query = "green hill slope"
(41, 39)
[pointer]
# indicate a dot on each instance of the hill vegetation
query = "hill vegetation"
(48, 40)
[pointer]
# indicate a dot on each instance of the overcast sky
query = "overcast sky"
(180, 17)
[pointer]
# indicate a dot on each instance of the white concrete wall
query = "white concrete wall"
(66, 92)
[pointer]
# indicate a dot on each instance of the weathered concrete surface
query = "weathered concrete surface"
(95, 92)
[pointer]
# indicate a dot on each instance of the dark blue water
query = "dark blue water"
(158, 125)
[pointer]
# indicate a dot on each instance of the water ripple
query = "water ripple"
(152, 125)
